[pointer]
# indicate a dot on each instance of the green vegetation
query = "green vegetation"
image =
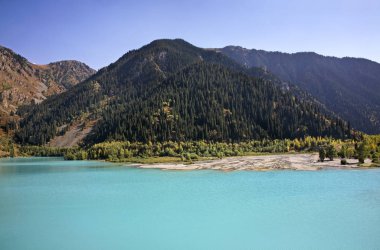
(322, 154)
(331, 152)
(170, 151)
(45, 151)
(369, 148)
(366, 147)
(362, 151)
(179, 151)
(7, 147)
(153, 160)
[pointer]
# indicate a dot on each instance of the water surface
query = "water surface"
(48, 203)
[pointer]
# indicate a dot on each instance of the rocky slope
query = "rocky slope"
(22, 82)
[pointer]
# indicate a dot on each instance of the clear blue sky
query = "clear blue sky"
(98, 32)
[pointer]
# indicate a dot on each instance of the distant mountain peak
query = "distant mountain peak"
(23, 82)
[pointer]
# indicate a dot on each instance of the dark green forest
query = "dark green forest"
(172, 90)
(210, 102)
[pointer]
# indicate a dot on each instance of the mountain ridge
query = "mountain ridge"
(132, 99)
(293, 53)
(347, 86)
(23, 82)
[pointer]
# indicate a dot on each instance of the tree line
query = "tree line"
(124, 151)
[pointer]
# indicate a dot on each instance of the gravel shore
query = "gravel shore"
(258, 163)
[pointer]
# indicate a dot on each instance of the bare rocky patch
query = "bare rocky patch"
(73, 135)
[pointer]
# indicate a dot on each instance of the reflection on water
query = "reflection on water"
(30, 165)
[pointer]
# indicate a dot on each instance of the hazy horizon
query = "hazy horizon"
(99, 32)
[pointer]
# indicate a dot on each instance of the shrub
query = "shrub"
(69, 156)
(322, 154)
(330, 152)
(375, 157)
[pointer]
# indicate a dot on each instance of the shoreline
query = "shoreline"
(305, 162)
(266, 162)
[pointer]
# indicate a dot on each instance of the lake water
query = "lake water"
(48, 203)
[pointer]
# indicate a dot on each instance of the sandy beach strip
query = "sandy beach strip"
(258, 163)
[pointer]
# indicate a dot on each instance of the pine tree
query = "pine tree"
(322, 154)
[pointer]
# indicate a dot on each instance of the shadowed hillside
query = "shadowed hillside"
(350, 87)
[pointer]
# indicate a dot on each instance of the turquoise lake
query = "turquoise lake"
(48, 203)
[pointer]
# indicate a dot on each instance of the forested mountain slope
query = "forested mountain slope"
(172, 90)
(210, 102)
(350, 87)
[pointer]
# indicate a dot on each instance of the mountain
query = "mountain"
(22, 82)
(172, 90)
(350, 87)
